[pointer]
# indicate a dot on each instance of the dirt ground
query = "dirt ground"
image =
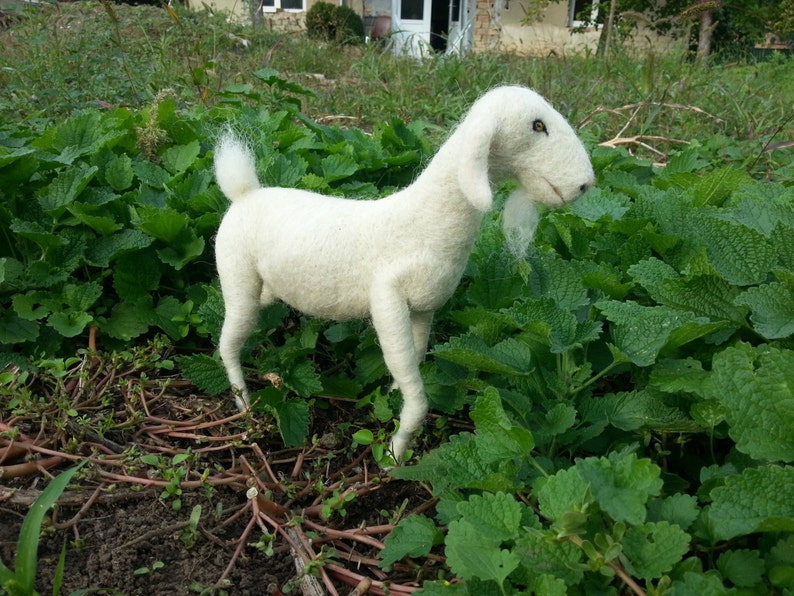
(263, 509)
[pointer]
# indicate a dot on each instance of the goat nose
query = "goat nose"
(584, 187)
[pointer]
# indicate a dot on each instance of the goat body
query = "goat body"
(397, 259)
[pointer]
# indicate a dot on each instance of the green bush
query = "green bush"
(334, 23)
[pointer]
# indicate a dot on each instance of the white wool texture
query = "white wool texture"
(397, 259)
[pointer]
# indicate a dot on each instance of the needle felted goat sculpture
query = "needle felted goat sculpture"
(397, 259)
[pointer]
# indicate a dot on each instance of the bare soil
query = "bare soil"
(265, 511)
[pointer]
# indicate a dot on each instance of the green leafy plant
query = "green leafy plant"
(331, 22)
(21, 580)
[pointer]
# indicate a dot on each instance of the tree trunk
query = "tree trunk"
(605, 38)
(705, 31)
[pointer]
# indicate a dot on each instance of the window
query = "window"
(582, 12)
(274, 5)
(412, 10)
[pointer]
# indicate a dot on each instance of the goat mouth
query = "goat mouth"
(556, 192)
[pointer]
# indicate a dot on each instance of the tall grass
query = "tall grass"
(57, 58)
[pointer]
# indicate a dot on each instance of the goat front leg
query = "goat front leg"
(396, 331)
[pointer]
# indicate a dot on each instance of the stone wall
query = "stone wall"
(284, 22)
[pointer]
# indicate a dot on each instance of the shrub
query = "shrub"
(334, 23)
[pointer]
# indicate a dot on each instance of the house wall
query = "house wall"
(498, 27)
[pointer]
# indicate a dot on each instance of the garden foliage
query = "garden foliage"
(630, 381)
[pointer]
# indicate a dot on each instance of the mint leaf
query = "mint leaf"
(622, 484)
(558, 279)
(757, 500)
(471, 554)
(179, 158)
(205, 372)
(496, 515)
(497, 435)
(740, 254)
(678, 509)
(633, 410)
(641, 332)
(564, 492)
(292, 415)
(756, 387)
(772, 306)
(118, 172)
(69, 323)
(414, 536)
(66, 188)
(541, 555)
(653, 548)
(509, 357)
(743, 568)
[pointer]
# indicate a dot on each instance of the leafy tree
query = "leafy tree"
(711, 25)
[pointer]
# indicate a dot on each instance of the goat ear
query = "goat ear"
(473, 162)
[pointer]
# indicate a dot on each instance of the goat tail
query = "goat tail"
(235, 167)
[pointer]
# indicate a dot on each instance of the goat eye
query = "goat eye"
(538, 126)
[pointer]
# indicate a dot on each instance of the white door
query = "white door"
(411, 27)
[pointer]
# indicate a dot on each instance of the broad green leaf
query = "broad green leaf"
(757, 500)
(106, 249)
(756, 387)
(81, 296)
(558, 279)
(336, 167)
(302, 378)
(206, 372)
(772, 306)
(66, 188)
(564, 492)
(497, 434)
(285, 171)
(151, 174)
(414, 536)
(698, 584)
(740, 254)
(641, 332)
(465, 462)
(597, 204)
(743, 568)
(470, 554)
(16, 330)
(118, 172)
(653, 548)
(704, 295)
(163, 224)
(292, 415)
(717, 185)
(179, 158)
(69, 323)
(622, 484)
(674, 376)
(496, 284)
(562, 331)
(633, 410)
(136, 274)
(541, 555)
(37, 233)
(679, 509)
(509, 357)
(496, 515)
(128, 320)
(186, 247)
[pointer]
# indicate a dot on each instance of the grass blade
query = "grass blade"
(28, 541)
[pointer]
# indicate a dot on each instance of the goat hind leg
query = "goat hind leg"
(242, 309)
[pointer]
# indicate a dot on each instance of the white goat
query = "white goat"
(396, 259)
